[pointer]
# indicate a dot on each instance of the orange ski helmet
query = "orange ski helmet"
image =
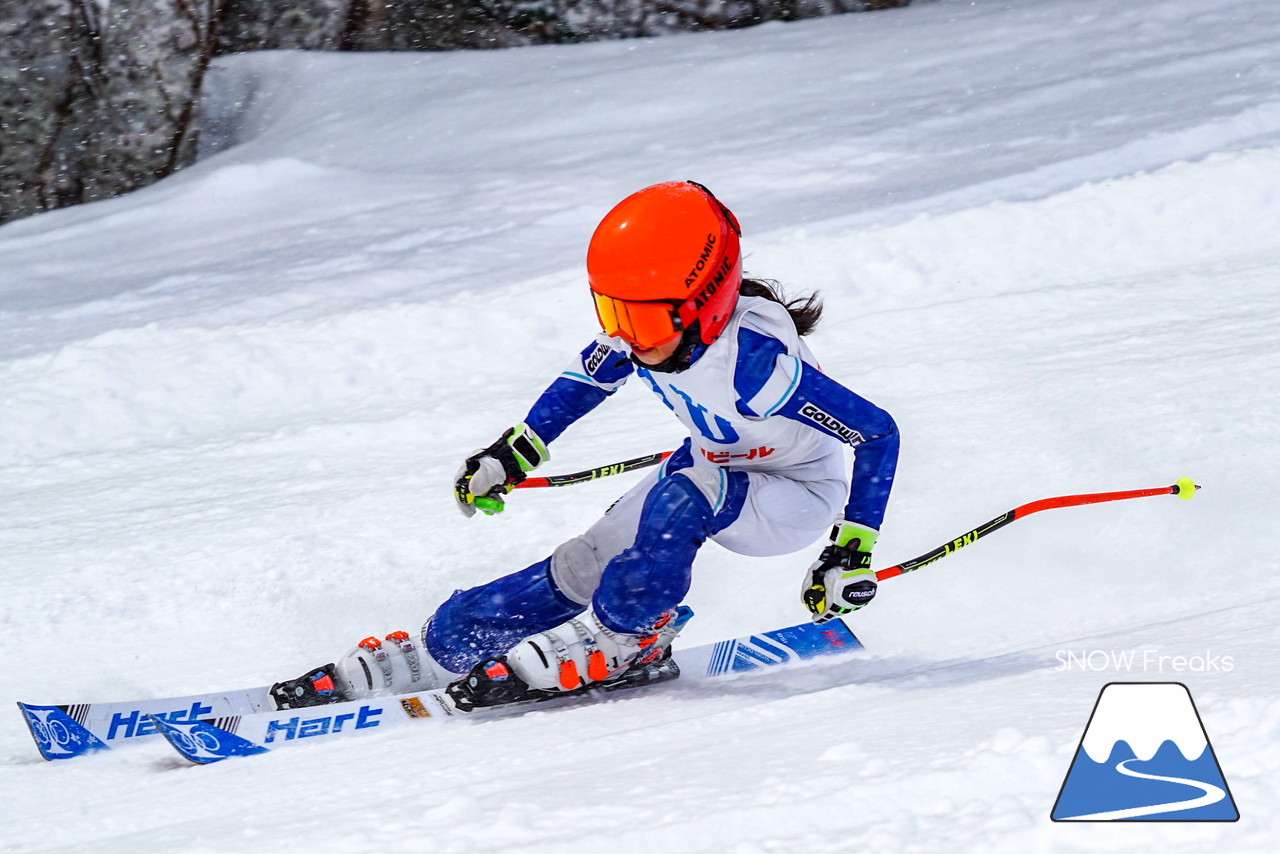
(664, 259)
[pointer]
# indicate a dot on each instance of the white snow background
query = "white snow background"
(1048, 236)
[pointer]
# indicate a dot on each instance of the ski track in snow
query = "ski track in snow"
(231, 405)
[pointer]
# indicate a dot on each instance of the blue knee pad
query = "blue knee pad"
(653, 575)
(490, 619)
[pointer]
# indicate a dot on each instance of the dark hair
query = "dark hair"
(805, 311)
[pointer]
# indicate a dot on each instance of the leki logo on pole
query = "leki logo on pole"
(1145, 756)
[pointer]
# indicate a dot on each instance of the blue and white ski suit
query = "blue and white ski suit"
(763, 472)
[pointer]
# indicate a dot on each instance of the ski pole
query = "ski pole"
(595, 473)
(1185, 488)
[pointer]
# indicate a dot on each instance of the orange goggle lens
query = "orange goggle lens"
(645, 324)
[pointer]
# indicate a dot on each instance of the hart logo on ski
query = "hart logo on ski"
(134, 723)
(1145, 756)
(366, 717)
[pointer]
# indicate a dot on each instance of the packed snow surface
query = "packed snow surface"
(1048, 237)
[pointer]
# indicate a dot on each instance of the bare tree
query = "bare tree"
(93, 105)
(43, 51)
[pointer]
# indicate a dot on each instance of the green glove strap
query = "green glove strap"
(529, 449)
(845, 533)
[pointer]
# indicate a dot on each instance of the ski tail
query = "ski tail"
(59, 731)
(66, 731)
(204, 742)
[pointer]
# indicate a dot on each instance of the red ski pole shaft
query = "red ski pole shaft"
(1185, 488)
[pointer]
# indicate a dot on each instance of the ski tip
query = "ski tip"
(1185, 488)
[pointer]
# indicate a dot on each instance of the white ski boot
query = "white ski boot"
(394, 665)
(574, 657)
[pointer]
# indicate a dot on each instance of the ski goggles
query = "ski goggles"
(645, 324)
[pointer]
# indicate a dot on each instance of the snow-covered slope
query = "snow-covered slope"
(231, 405)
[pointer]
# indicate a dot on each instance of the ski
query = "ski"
(213, 739)
(68, 731)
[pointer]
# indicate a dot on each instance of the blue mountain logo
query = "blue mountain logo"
(1145, 756)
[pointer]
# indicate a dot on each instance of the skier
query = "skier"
(763, 472)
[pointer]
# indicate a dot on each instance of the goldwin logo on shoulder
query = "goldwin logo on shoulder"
(597, 357)
(835, 425)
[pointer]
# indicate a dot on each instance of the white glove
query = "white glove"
(841, 580)
(489, 474)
